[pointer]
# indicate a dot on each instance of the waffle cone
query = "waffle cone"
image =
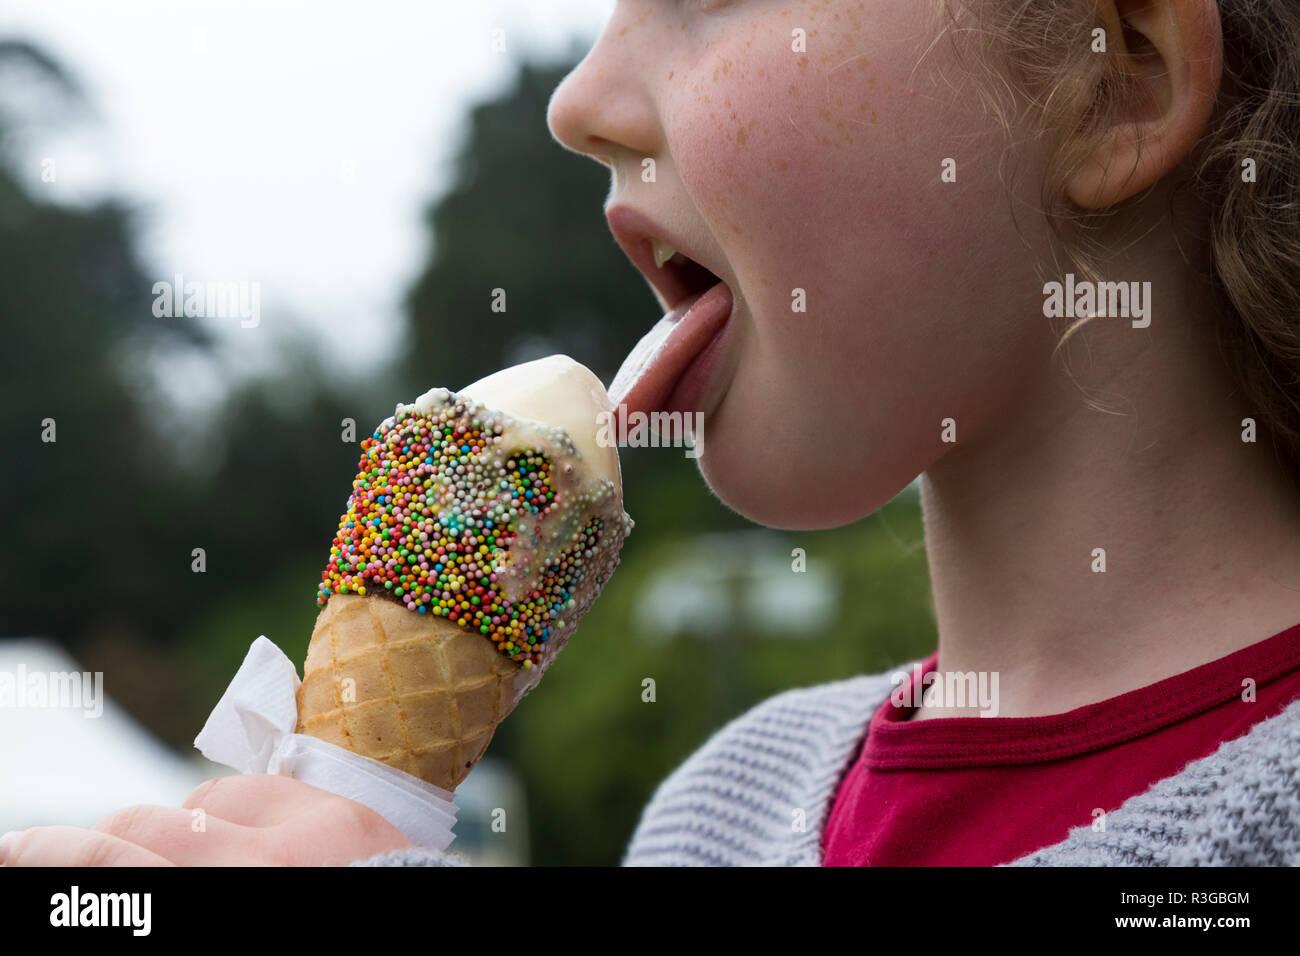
(417, 692)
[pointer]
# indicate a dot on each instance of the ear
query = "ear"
(1168, 61)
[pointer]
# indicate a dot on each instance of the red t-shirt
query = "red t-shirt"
(979, 791)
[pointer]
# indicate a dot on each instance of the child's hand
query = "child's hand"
(249, 820)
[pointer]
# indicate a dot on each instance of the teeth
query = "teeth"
(662, 251)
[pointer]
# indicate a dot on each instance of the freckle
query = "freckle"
(826, 141)
(792, 89)
(783, 165)
(873, 118)
(871, 80)
(840, 124)
(740, 136)
(622, 32)
(803, 63)
(735, 229)
(824, 114)
(733, 115)
(670, 74)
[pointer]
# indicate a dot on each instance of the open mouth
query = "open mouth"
(671, 367)
(679, 276)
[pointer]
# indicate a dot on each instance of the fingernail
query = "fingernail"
(6, 842)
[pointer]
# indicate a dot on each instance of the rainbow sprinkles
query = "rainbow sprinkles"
(490, 521)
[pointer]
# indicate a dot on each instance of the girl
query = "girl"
(1046, 255)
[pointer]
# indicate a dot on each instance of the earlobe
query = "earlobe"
(1142, 147)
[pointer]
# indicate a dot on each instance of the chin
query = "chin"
(790, 494)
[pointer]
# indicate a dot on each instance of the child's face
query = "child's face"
(821, 171)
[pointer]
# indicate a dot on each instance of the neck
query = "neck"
(1197, 531)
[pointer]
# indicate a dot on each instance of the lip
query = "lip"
(633, 231)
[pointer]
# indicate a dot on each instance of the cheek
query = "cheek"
(808, 166)
(755, 149)
(821, 172)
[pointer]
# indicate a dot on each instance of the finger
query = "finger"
(73, 846)
(304, 825)
(256, 799)
(185, 837)
(333, 833)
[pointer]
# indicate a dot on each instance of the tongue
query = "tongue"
(654, 365)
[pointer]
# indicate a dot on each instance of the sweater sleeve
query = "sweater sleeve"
(736, 800)
(416, 856)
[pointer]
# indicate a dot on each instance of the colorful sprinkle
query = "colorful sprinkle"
(457, 511)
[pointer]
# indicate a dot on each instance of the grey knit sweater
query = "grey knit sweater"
(737, 800)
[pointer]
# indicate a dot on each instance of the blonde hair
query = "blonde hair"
(1039, 53)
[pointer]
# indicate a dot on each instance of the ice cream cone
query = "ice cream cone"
(421, 694)
(481, 527)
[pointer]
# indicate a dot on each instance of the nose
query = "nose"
(603, 108)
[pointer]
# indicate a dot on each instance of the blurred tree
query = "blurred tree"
(76, 303)
(523, 216)
(100, 523)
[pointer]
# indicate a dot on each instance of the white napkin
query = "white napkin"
(252, 730)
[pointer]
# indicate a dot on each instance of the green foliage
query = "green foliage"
(78, 532)
(523, 216)
(100, 525)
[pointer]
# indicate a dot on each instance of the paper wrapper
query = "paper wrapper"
(252, 730)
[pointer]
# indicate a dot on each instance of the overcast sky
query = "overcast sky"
(287, 142)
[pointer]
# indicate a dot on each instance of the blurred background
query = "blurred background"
(373, 172)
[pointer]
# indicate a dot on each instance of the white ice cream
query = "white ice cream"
(555, 390)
